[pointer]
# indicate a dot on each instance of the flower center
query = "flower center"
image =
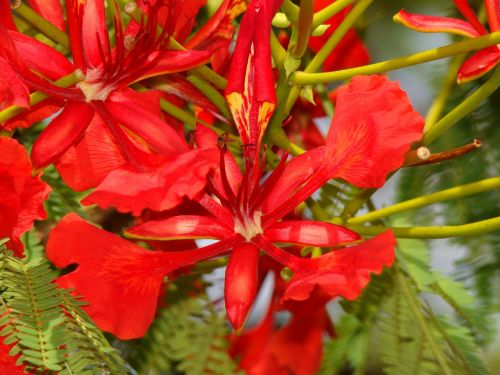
(93, 88)
(250, 227)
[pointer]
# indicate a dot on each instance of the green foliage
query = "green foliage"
(45, 325)
(188, 336)
(62, 200)
(482, 261)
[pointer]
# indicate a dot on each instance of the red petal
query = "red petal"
(310, 233)
(36, 113)
(185, 18)
(250, 90)
(40, 57)
(180, 227)
(161, 187)
(21, 194)
(345, 272)
(89, 161)
(139, 112)
(6, 15)
(61, 134)
(296, 172)
(240, 286)
(432, 24)
(94, 32)
(120, 280)
(8, 363)
(493, 10)
(13, 91)
(51, 10)
(175, 61)
(464, 8)
(478, 64)
(373, 127)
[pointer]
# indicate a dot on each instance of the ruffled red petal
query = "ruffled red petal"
(372, 129)
(120, 281)
(13, 91)
(344, 272)
(160, 186)
(21, 194)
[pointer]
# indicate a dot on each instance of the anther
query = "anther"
(129, 42)
(14, 4)
(79, 74)
(130, 7)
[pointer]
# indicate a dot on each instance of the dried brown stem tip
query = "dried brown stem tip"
(412, 158)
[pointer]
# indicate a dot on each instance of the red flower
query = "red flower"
(481, 61)
(350, 52)
(8, 363)
(21, 194)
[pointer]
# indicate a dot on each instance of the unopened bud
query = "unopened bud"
(130, 7)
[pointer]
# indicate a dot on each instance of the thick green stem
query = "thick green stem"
(181, 115)
(472, 229)
(280, 139)
(413, 303)
(212, 94)
(307, 78)
(453, 193)
(436, 109)
(278, 52)
(304, 28)
(327, 48)
(463, 109)
(39, 96)
(44, 26)
(329, 11)
(291, 10)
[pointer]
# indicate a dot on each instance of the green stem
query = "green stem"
(413, 303)
(307, 78)
(437, 106)
(464, 230)
(325, 51)
(304, 25)
(329, 11)
(44, 26)
(211, 94)
(463, 109)
(280, 139)
(181, 115)
(291, 10)
(39, 96)
(453, 193)
(278, 52)
(356, 203)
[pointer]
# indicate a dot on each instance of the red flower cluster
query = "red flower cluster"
(108, 133)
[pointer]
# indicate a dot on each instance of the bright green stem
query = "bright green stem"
(463, 109)
(414, 305)
(304, 28)
(278, 52)
(327, 48)
(181, 115)
(329, 11)
(39, 96)
(464, 230)
(356, 203)
(280, 139)
(212, 94)
(307, 78)
(436, 109)
(291, 10)
(453, 193)
(44, 26)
